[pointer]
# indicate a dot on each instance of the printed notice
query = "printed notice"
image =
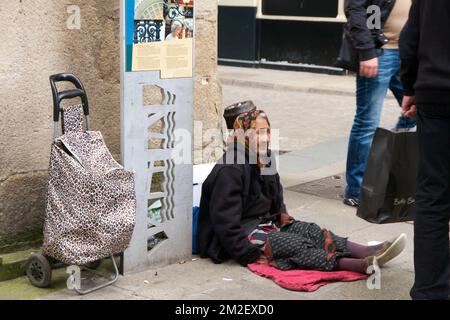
(177, 61)
(172, 58)
(147, 56)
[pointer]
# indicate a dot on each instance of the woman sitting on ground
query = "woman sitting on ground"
(243, 215)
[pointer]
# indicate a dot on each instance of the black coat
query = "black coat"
(425, 52)
(364, 40)
(229, 211)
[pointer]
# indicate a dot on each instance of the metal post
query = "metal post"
(163, 232)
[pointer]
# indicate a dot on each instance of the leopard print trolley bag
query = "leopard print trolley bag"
(91, 203)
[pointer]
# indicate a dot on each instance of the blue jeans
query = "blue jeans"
(370, 96)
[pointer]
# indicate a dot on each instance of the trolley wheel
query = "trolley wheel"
(94, 264)
(39, 271)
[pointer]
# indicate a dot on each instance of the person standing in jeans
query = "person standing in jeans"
(379, 62)
(425, 55)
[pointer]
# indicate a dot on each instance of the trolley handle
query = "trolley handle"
(79, 92)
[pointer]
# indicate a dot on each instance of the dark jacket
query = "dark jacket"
(425, 52)
(228, 211)
(366, 41)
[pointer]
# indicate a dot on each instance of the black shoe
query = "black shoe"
(351, 202)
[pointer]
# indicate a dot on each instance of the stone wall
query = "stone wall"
(208, 91)
(35, 43)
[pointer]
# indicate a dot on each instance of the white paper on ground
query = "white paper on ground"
(201, 172)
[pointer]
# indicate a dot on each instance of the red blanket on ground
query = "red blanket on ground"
(303, 280)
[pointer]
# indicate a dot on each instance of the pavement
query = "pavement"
(313, 115)
(289, 81)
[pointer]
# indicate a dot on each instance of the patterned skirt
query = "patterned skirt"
(301, 245)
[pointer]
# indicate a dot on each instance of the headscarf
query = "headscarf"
(247, 120)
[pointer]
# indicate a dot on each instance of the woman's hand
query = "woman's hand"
(285, 219)
(262, 260)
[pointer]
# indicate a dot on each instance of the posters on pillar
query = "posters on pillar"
(160, 36)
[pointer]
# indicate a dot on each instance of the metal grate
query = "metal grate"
(332, 187)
